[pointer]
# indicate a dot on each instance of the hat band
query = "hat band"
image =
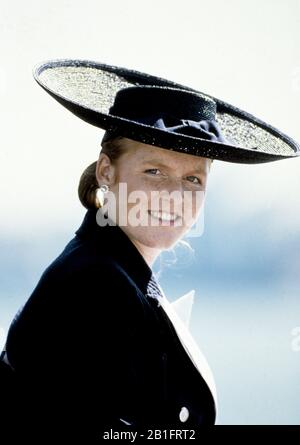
(205, 129)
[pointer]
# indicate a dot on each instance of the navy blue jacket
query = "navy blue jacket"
(92, 349)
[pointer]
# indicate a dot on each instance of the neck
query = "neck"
(148, 253)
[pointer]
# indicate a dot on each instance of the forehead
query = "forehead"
(143, 153)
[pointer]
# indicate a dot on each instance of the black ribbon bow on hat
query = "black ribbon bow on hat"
(204, 129)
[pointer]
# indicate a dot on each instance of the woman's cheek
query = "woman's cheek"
(138, 183)
(191, 208)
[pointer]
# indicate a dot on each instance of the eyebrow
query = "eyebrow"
(160, 164)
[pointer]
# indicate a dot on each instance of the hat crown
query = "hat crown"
(146, 100)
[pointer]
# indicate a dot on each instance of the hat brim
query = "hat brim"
(88, 89)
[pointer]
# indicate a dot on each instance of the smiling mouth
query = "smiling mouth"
(164, 216)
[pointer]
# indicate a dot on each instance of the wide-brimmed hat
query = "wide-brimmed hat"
(160, 112)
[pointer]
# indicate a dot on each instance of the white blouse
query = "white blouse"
(179, 313)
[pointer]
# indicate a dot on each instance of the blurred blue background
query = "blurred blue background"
(246, 265)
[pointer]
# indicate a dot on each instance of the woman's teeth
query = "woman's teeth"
(164, 216)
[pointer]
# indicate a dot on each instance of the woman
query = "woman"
(97, 350)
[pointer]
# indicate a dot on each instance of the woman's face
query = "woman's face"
(158, 193)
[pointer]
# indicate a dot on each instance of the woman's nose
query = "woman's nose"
(173, 185)
(171, 196)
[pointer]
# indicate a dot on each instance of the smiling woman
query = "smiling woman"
(97, 347)
(177, 181)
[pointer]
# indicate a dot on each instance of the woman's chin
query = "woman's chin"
(160, 238)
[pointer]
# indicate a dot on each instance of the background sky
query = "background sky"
(246, 266)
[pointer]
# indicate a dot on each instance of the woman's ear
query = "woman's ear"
(105, 170)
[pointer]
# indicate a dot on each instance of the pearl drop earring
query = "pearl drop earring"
(100, 192)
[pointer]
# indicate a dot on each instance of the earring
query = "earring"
(100, 192)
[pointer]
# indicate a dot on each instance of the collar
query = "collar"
(112, 241)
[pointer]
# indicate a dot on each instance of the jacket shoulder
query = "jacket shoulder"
(80, 264)
(77, 292)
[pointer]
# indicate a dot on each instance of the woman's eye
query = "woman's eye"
(194, 179)
(156, 171)
(152, 171)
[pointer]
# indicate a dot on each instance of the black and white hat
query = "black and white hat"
(159, 112)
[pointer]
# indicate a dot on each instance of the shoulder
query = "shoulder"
(80, 267)
(79, 295)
